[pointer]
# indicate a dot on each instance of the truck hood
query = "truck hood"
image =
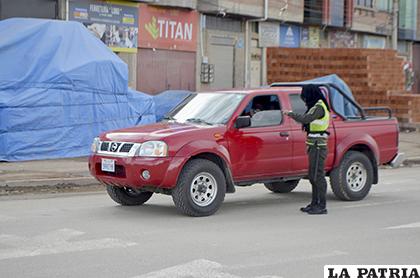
(158, 131)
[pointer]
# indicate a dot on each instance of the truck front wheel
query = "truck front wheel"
(127, 196)
(200, 189)
(282, 187)
(352, 179)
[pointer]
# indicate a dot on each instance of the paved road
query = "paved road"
(254, 234)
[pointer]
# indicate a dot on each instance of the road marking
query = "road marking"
(201, 268)
(373, 204)
(55, 242)
(407, 226)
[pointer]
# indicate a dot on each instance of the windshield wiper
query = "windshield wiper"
(169, 118)
(197, 120)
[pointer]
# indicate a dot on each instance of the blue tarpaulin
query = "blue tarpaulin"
(340, 104)
(60, 87)
(144, 106)
(167, 100)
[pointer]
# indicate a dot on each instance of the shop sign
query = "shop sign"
(340, 39)
(269, 34)
(374, 42)
(310, 37)
(166, 28)
(114, 23)
(289, 35)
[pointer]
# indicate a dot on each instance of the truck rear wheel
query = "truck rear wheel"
(200, 189)
(282, 186)
(127, 196)
(352, 179)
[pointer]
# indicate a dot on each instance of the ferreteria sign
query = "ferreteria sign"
(165, 28)
(372, 271)
(114, 23)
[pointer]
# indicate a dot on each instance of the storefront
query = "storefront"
(223, 53)
(167, 46)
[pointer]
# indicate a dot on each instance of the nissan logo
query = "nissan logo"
(114, 147)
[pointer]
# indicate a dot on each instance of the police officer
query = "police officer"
(315, 122)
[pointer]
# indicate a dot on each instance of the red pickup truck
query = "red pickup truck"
(215, 141)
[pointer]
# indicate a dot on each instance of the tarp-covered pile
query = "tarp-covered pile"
(59, 88)
(168, 100)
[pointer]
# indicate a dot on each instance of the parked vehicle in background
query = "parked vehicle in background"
(215, 141)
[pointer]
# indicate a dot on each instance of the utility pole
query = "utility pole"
(395, 24)
(62, 9)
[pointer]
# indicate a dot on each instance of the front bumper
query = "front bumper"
(164, 171)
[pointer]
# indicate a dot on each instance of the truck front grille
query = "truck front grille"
(126, 147)
(112, 148)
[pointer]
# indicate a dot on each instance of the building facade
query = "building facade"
(214, 44)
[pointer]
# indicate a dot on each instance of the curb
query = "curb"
(50, 186)
(412, 161)
(72, 181)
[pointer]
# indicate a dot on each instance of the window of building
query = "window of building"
(384, 5)
(313, 11)
(264, 111)
(365, 3)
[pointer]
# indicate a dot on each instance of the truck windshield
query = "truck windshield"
(207, 108)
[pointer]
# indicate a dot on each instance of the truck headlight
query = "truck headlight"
(153, 149)
(95, 145)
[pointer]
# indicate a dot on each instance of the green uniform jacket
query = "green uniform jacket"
(316, 112)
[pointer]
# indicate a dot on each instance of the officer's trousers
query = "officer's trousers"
(317, 155)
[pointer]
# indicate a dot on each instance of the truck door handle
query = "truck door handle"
(284, 134)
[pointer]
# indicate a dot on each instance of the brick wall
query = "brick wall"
(375, 76)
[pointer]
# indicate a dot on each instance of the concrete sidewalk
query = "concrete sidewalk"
(410, 145)
(73, 172)
(58, 174)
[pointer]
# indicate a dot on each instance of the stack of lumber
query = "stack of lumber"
(375, 76)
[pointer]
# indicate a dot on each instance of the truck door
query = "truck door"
(263, 149)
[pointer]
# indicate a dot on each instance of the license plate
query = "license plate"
(108, 165)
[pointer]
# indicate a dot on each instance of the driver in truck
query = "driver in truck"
(315, 122)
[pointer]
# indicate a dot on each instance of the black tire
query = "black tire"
(282, 186)
(191, 173)
(127, 196)
(345, 190)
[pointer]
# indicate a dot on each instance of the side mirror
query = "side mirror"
(243, 121)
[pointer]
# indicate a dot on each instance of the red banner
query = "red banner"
(164, 28)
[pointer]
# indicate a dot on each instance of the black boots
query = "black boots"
(317, 210)
(306, 209)
(314, 209)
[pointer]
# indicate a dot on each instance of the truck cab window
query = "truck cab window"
(298, 106)
(264, 111)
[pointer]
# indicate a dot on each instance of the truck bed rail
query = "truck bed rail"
(330, 86)
(381, 108)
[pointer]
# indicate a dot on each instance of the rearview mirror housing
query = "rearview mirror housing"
(243, 121)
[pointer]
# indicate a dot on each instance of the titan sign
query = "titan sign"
(164, 28)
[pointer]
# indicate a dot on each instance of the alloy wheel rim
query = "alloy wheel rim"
(356, 176)
(203, 189)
